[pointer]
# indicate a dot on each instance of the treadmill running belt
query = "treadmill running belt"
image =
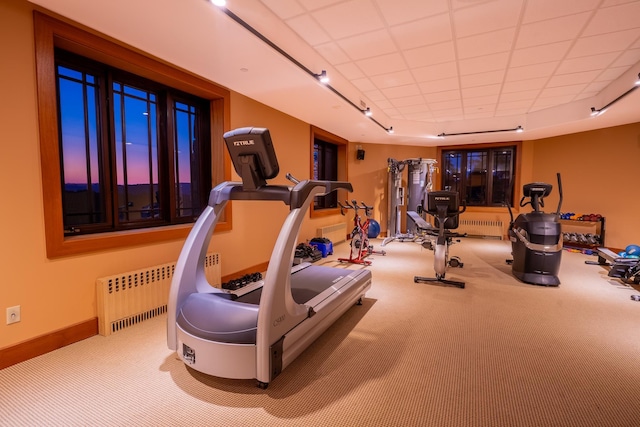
(305, 284)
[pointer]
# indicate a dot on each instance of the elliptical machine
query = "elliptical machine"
(536, 237)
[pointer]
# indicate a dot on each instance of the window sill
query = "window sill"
(75, 245)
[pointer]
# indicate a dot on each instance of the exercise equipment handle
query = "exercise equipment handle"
(292, 178)
(559, 192)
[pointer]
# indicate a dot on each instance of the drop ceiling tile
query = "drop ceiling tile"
(430, 55)
(572, 79)
(542, 103)
(442, 85)
(383, 64)
(524, 84)
(485, 44)
(367, 45)
(538, 10)
(495, 62)
(308, 29)
(611, 74)
(332, 53)
(414, 109)
(401, 91)
(596, 87)
(448, 115)
(538, 54)
(613, 42)
(551, 30)
(410, 10)
(316, 4)
(521, 106)
(523, 95)
(364, 84)
(486, 17)
(350, 71)
(432, 30)
(586, 63)
(627, 58)
(531, 71)
(484, 101)
(445, 105)
(349, 18)
(446, 95)
(435, 72)
(571, 90)
(611, 19)
(482, 79)
(378, 97)
(284, 8)
(488, 90)
(409, 100)
(399, 78)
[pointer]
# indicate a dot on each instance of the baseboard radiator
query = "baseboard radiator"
(127, 299)
(481, 228)
(336, 233)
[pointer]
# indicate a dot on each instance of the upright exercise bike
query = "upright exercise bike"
(360, 247)
(446, 210)
(536, 237)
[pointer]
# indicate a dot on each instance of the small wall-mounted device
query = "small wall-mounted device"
(359, 153)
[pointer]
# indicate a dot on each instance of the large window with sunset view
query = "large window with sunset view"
(134, 153)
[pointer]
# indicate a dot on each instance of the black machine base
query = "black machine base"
(537, 278)
(433, 280)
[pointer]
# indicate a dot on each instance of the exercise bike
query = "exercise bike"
(444, 206)
(360, 247)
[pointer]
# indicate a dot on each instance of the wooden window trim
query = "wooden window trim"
(51, 33)
(342, 167)
(517, 165)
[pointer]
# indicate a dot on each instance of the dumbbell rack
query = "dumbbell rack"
(584, 227)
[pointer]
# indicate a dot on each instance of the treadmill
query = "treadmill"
(258, 330)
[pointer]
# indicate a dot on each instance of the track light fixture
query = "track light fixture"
(597, 111)
(516, 129)
(321, 77)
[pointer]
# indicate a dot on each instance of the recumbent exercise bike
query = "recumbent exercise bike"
(444, 206)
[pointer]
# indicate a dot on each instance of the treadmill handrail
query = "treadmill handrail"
(292, 196)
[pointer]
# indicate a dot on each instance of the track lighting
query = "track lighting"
(597, 111)
(518, 129)
(322, 77)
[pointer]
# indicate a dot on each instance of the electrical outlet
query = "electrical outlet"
(13, 314)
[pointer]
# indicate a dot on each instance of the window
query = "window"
(325, 166)
(148, 142)
(136, 171)
(328, 162)
(482, 176)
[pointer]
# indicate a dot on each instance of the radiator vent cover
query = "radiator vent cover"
(127, 299)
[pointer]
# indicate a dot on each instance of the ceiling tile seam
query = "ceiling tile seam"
(564, 58)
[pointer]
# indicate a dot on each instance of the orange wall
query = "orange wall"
(57, 293)
(600, 174)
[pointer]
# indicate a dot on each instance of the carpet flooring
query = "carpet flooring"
(497, 353)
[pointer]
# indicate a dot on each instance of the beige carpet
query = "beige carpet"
(498, 353)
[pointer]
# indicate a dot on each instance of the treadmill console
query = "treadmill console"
(253, 155)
